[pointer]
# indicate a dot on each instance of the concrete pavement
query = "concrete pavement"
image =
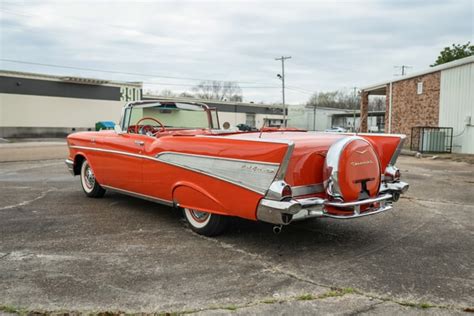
(62, 251)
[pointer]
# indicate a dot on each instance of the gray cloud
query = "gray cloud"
(334, 44)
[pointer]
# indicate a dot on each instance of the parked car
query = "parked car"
(246, 128)
(174, 153)
(336, 130)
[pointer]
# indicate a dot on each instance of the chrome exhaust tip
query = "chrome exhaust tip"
(277, 229)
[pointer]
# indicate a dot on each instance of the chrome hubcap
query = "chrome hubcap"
(199, 216)
(89, 177)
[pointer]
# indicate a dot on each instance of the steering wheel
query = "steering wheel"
(149, 126)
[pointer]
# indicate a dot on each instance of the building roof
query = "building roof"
(210, 102)
(452, 64)
(357, 114)
(70, 79)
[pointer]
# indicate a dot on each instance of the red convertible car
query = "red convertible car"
(174, 153)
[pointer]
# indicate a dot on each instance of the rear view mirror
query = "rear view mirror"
(118, 129)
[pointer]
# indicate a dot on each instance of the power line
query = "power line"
(119, 72)
(300, 90)
(204, 85)
(296, 89)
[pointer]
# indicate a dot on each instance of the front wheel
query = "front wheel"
(89, 183)
(204, 223)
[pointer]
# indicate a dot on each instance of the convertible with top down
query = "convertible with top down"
(174, 153)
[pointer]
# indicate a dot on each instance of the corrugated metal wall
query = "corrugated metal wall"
(456, 104)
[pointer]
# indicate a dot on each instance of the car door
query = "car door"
(121, 160)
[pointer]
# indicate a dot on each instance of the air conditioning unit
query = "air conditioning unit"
(433, 141)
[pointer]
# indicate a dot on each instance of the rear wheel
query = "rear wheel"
(89, 183)
(205, 223)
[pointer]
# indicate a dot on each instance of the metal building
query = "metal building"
(434, 107)
(41, 105)
(33, 105)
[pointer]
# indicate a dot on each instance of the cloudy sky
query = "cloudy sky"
(333, 44)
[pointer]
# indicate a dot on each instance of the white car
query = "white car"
(336, 130)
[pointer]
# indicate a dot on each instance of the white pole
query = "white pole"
(390, 110)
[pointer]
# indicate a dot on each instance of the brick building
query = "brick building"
(441, 96)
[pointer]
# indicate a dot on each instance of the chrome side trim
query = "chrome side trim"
(397, 152)
(220, 158)
(70, 166)
(251, 139)
(256, 190)
(109, 151)
(307, 189)
(250, 175)
(284, 164)
(139, 195)
(170, 152)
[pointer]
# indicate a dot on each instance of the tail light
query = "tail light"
(392, 174)
(279, 190)
(286, 192)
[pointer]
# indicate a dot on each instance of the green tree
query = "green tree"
(454, 52)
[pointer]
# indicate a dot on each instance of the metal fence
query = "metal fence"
(427, 139)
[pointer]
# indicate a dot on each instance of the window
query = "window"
(419, 87)
(250, 119)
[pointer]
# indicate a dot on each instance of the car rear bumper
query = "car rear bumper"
(284, 212)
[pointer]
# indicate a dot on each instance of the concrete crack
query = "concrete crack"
(365, 309)
(42, 195)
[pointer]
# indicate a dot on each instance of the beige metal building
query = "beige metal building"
(33, 105)
(41, 105)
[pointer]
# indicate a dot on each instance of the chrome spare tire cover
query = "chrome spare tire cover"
(351, 170)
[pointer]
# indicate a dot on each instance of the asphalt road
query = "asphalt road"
(62, 251)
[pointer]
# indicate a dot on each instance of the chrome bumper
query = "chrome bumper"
(284, 212)
(70, 166)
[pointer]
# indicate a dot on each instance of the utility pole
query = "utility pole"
(403, 68)
(282, 77)
(355, 106)
(314, 117)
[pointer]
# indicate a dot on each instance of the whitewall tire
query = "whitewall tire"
(204, 223)
(89, 183)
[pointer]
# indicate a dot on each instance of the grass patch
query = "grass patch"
(10, 309)
(348, 290)
(409, 304)
(338, 292)
(426, 305)
(270, 301)
(231, 307)
(305, 297)
(423, 305)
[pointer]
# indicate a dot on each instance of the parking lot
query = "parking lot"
(62, 251)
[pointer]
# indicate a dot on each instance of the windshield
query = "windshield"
(171, 115)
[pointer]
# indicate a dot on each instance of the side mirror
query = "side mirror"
(118, 129)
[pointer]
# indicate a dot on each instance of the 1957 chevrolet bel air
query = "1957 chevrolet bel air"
(174, 153)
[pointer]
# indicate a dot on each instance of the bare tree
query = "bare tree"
(335, 99)
(377, 103)
(218, 90)
(167, 93)
(186, 95)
